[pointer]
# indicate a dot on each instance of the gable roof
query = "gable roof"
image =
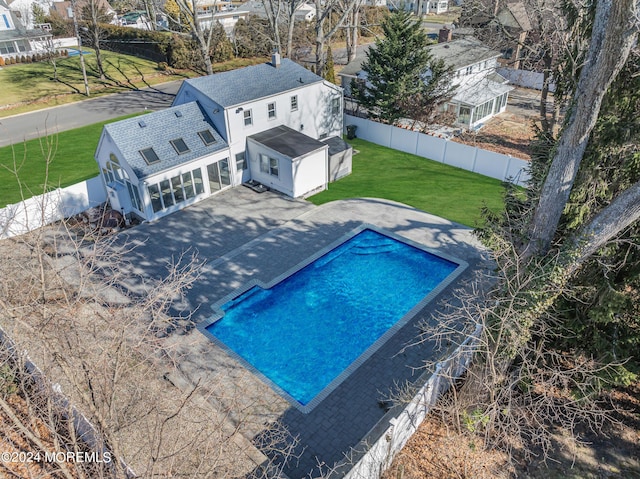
(515, 16)
(156, 130)
(240, 86)
(463, 52)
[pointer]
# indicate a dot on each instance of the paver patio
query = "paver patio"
(241, 235)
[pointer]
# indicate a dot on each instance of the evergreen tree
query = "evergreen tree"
(402, 78)
(329, 71)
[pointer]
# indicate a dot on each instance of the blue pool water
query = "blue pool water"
(306, 330)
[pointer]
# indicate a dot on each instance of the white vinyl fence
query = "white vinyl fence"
(41, 210)
(484, 162)
(380, 454)
(525, 78)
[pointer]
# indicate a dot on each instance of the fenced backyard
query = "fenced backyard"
(477, 160)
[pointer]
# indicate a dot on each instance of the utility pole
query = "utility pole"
(72, 14)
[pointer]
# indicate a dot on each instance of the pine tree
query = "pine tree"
(397, 71)
(329, 71)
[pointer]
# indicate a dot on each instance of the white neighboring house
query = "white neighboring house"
(481, 92)
(15, 39)
(275, 123)
(226, 18)
(424, 7)
(305, 11)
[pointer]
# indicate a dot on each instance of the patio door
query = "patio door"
(219, 176)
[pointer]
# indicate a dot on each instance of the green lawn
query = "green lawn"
(31, 86)
(442, 190)
(72, 161)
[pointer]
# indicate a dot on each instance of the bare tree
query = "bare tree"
(94, 14)
(519, 387)
(71, 298)
(203, 35)
(324, 32)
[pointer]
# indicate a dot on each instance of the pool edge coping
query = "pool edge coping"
(218, 313)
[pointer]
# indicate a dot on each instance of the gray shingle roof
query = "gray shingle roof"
(252, 83)
(183, 121)
(463, 52)
(287, 141)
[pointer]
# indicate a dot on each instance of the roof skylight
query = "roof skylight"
(150, 156)
(180, 146)
(207, 137)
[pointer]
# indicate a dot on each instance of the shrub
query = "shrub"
(1, 61)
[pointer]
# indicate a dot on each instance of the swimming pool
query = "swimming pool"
(305, 332)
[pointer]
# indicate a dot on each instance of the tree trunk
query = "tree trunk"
(623, 211)
(611, 41)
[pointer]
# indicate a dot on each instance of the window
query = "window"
(207, 137)
(335, 106)
(271, 110)
(114, 172)
(469, 70)
(269, 165)
(294, 103)
(481, 111)
(197, 181)
(176, 186)
(241, 162)
(134, 195)
(248, 119)
(149, 156)
(156, 202)
(165, 188)
(180, 146)
(187, 184)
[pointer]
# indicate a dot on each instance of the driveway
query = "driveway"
(240, 235)
(26, 126)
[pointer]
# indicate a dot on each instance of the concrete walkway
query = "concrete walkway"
(241, 235)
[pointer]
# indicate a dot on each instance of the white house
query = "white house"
(424, 7)
(481, 92)
(305, 11)
(226, 18)
(15, 39)
(274, 124)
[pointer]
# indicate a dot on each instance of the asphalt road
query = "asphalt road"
(15, 129)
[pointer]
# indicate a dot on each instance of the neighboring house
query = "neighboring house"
(17, 40)
(137, 20)
(424, 7)
(226, 18)
(481, 92)
(276, 123)
(305, 11)
(65, 9)
(24, 10)
(508, 28)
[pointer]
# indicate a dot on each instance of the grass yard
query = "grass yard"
(71, 162)
(452, 193)
(30, 86)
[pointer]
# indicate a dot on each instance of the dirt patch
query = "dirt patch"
(509, 133)
(436, 451)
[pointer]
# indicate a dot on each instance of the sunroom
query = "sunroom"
(155, 164)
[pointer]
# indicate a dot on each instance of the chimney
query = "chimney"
(275, 59)
(444, 35)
